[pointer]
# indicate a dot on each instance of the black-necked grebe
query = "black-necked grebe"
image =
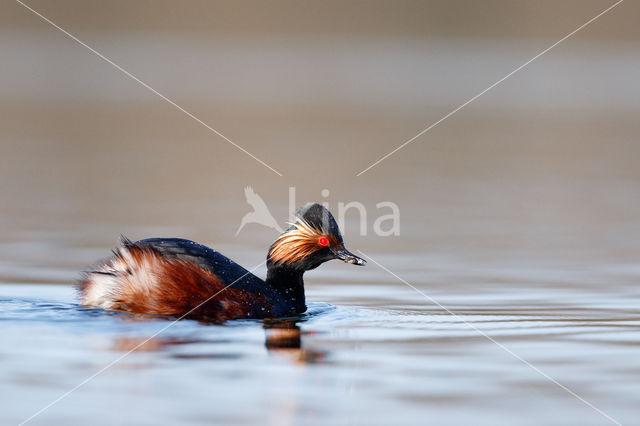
(172, 276)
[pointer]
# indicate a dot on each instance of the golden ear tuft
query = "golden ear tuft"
(301, 240)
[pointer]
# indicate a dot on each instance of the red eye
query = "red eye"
(323, 241)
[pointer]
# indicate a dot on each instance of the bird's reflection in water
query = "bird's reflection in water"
(145, 344)
(283, 337)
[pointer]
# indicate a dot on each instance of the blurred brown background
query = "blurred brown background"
(545, 164)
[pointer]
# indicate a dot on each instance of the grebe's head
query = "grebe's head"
(311, 240)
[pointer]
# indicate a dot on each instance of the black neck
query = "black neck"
(288, 282)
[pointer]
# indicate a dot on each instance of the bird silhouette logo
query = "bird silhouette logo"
(260, 214)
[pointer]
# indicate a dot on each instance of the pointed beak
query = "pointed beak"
(348, 257)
